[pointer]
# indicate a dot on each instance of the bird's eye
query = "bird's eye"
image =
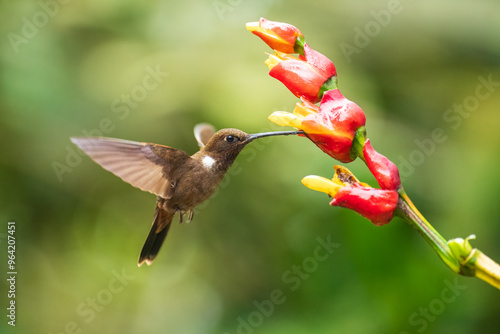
(231, 138)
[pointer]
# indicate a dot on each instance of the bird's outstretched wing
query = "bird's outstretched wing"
(149, 167)
(203, 132)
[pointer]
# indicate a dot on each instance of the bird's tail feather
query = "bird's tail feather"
(159, 230)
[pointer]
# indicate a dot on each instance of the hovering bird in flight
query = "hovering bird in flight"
(180, 181)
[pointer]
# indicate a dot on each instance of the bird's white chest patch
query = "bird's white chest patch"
(208, 161)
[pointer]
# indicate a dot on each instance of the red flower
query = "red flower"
(279, 36)
(384, 170)
(377, 205)
(307, 76)
(333, 128)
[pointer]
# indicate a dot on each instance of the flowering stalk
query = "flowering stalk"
(337, 127)
(474, 262)
(409, 213)
(457, 253)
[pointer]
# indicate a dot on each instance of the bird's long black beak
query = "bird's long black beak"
(275, 133)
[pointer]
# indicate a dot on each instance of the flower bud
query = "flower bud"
(385, 171)
(307, 76)
(282, 37)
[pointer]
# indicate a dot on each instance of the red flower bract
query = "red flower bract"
(278, 35)
(323, 65)
(299, 77)
(304, 76)
(377, 205)
(384, 170)
(333, 128)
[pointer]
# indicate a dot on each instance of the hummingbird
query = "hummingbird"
(180, 181)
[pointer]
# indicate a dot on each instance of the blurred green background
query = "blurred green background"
(74, 68)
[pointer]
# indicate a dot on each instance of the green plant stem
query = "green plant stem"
(484, 267)
(409, 213)
(457, 254)
(462, 259)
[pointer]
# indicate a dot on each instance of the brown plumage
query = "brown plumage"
(180, 182)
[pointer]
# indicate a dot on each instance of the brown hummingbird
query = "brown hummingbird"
(180, 181)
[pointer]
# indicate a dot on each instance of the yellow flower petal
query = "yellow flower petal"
(345, 176)
(253, 26)
(272, 61)
(322, 184)
(302, 110)
(284, 118)
(284, 56)
(268, 35)
(277, 57)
